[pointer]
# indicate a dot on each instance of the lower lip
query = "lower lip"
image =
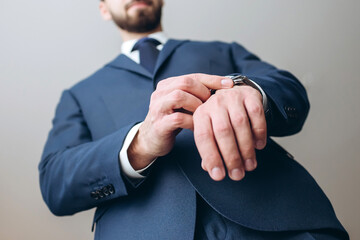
(139, 5)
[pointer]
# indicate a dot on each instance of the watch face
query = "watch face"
(239, 79)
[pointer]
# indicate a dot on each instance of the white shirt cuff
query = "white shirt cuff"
(126, 167)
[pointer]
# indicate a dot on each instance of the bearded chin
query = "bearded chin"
(143, 22)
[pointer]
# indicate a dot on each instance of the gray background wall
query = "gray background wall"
(46, 46)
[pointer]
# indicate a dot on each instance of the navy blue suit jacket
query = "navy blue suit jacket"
(80, 168)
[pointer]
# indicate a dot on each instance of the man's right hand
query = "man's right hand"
(171, 107)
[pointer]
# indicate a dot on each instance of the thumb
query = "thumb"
(212, 81)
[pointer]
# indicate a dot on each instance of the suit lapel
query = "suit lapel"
(123, 62)
(170, 46)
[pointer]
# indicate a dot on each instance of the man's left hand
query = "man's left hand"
(227, 129)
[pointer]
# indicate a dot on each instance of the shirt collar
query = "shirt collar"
(127, 46)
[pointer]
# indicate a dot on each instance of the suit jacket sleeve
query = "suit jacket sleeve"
(77, 173)
(287, 99)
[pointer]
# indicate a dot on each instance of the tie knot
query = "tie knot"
(145, 42)
(148, 52)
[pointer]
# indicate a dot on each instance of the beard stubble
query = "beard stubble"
(145, 20)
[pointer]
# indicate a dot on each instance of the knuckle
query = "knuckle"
(239, 119)
(177, 95)
(177, 118)
(199, 112)
(202, 136)
(211, 160)
(222, 129)
(186, 83)
(233, 161)
(217, 98)
(255, 109)
(197, 116)
(260, 131)
(161, 84)
(247, 150)
(153, 96)
(246, 145)
(195, 76)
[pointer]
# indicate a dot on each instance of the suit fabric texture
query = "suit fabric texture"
(80, 168)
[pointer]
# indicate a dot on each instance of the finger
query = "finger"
(256, 115)
(212, 81)
(197, 84)
(179, 99)
(241, 125)
(208, 150)
(227, 144)
(184, 83)
(178, 120)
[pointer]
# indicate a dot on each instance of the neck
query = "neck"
(125, 35)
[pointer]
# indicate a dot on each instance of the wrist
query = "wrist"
(139, 156)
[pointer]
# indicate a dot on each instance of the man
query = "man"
(159, 140)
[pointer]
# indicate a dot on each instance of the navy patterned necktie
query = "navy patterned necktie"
(148, 52)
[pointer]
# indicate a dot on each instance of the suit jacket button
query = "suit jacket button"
(94, 195)
(100, 193)
(105, 190)
(111, 189)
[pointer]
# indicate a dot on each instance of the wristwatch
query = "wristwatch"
(242, 80)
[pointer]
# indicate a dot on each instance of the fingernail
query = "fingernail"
(249, 165)
(227, 82)
(216, 173)
(259, 144)
(237, 174)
